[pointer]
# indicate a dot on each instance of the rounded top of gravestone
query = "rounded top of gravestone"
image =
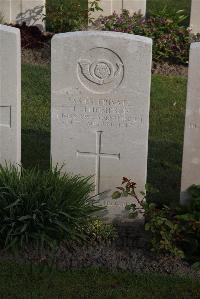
(127, 36)
(9, 29)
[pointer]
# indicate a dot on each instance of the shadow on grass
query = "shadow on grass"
(164, 170)
(35, 149)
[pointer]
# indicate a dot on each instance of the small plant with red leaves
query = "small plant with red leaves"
(128, 188)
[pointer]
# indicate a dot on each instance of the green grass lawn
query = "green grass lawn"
(166, 127)
(35, 116)
(19, 282)
(168, 96)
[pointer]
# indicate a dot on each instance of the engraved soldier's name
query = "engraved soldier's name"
(99, 113)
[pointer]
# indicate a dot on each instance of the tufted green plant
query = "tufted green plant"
(38, 207)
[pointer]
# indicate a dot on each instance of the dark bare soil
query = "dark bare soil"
(110, 257)
(169, 69)
(129, 252)
(40, 56)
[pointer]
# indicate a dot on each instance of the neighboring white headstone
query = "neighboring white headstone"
(191, 151)
(100, 108)
(195, 16)
(109, 6)
(10, 95)
(30, 11)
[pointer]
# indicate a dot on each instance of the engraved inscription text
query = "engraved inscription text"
(99, 113)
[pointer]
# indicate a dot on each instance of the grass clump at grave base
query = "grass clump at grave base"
(22, 281)
(42, 206)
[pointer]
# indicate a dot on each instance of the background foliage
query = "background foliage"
(170, 7)
(152, 5)
(71, 15)
(171, 39)
(66, 16)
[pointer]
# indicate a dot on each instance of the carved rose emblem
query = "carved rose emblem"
(101, 71)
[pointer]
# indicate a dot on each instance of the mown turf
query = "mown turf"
(22, 282)
(166, 127)
(35, 116)
(168, 95)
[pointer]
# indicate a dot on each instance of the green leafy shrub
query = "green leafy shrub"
(171, 39)
(42, 207)
(70, 16)
(174, 230)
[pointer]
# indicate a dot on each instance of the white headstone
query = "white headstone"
(100, 108)
(195, 16)
(29, 11)
(191, 150)
(10, 95)
(109, 6)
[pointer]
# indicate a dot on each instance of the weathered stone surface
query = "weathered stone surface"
(29, 11)
(191, 151)
(10, 95)
(100, 108)
(109, 6)
(195, 16)
(5, 10)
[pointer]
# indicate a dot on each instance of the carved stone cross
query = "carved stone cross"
(98, 156)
